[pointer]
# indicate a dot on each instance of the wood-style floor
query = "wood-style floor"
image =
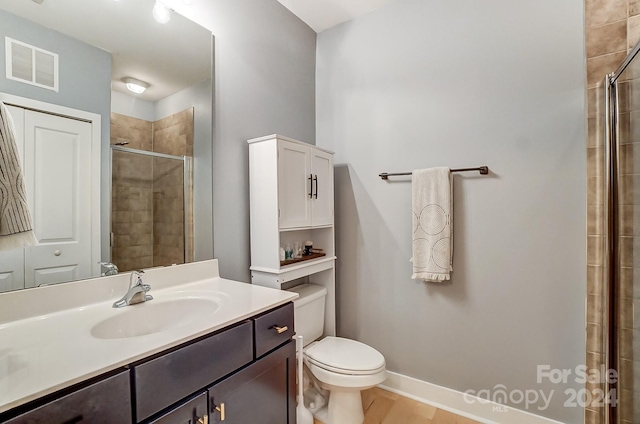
(383, 407)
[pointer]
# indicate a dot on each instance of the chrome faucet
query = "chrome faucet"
(109, 268)
(137, 291)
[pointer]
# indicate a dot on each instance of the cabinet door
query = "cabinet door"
(294, 185)
(322, 199)
(262, 393)
(105, 402)
(192, 411)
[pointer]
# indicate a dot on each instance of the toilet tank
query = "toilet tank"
(309, 311)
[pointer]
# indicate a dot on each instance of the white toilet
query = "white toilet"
(342, 366)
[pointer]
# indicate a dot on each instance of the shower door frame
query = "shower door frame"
(187, 168)
(611, 309)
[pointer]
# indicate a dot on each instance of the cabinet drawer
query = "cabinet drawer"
(268, 325)
(167, 379)
(105, 402)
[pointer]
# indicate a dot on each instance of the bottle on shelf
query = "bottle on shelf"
(288, 251)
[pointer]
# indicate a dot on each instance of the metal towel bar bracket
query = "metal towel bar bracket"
(483, 170)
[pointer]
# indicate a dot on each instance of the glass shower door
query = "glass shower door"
(622, 285)
(151, 219)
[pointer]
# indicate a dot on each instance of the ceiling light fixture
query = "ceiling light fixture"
(135, 85)
(161, 12)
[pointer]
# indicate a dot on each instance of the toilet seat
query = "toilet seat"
(345, 356)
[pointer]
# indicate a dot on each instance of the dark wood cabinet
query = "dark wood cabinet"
(192, 411)
(246, 371)
(262, 393)
(165, 380)
(273, 328)
(106, 402)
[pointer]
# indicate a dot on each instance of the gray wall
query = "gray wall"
(264, 71)
(424, 83)
(85, 84)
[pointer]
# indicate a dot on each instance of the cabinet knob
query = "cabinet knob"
(220, 409)
(204, 420)
(280, 330)
(57, 252)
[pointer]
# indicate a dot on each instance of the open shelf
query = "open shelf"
(302, 259)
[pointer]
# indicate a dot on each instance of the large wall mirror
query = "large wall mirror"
(152, 152)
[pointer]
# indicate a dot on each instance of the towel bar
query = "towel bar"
(484, 170)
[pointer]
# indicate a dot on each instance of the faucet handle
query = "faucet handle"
(136, 278)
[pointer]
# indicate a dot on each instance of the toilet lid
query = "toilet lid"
(345, 356)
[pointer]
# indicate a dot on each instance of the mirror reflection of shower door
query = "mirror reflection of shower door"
(150, 222)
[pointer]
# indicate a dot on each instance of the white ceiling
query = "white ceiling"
(170, 57)
(323, 14)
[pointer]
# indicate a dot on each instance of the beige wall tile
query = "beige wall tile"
(624, 123)
(625, 313)
(628, 225)
(634, 7)
(626, 343)
(595, 161)
(595, 248)
(598, 67)
(626, 282)
(594, 309)
(629, 189)
(633, 31)
(594, 336)
(594, 191)
(136, 132)
(601, 12)
(595, 103)
(593, 416)
(595, 132)
(625, 408)
(626, 251)
(595, 220)
(595, 276)
(607, 39)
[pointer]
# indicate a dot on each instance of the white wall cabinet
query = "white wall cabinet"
(291, 200)
(302, 170)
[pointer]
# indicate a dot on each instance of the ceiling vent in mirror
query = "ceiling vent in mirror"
(31, 65)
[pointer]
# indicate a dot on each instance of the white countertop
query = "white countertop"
(48, 347)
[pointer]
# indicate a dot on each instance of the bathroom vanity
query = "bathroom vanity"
(231, 360)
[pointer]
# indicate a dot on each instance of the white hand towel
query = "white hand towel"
(432, 204)
(16, 228)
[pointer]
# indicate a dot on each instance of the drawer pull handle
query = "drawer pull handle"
(204, 420)
(220, 409)
(280, 330)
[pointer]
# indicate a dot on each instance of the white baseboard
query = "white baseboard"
(459, 403)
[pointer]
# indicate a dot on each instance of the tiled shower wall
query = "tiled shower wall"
(612, 28)
(148, 191)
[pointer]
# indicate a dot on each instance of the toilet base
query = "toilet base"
(345, 407)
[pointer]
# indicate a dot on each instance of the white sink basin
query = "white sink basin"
(154, 316)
